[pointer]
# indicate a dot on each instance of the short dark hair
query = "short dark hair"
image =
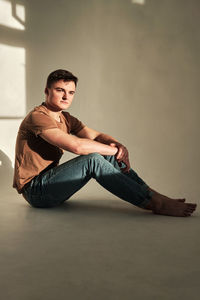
(60, 75)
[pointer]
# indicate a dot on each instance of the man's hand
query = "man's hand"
(122, 156)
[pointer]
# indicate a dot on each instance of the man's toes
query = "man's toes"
(187, 214)
(192, 206)
(190, 209)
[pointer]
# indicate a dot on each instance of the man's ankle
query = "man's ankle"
(149, 205)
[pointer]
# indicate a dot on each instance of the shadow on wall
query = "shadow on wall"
(6, 172)
(13, 74)
(12, 59)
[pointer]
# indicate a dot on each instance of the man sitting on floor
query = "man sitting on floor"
(48, 130)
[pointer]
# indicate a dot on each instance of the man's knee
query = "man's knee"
(95, 160)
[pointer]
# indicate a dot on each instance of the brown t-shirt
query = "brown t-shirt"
(32, 153)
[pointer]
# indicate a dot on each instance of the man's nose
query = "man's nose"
(64, 96)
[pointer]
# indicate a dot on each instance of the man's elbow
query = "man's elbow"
(78, 149)
(82, 149)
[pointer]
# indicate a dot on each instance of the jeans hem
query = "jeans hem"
(144, 203)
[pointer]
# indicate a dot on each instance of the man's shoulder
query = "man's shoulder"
(36, 111)
(35, 114)
(40, 109)
(73, 123)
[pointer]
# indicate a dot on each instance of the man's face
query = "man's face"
(60, 95)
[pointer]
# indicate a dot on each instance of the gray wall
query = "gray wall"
(138, 69)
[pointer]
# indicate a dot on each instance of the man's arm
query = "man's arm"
(122, 153)
(78, 145)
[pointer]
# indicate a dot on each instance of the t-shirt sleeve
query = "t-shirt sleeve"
(75, 125)
(39, 121)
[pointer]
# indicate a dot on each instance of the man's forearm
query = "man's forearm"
(122, 154)
(87, 146)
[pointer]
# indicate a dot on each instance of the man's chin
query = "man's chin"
(64, 105)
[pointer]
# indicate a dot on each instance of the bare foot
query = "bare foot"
(165, 197)
(166, 206)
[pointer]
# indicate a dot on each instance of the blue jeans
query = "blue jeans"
(54, 186)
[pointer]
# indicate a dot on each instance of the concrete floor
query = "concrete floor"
(96, 249)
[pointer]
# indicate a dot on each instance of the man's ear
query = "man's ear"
(46, 91)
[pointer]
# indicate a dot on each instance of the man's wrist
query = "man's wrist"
(115, 150)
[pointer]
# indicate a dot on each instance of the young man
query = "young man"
(48, 130)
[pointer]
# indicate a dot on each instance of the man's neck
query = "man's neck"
(54, 114)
